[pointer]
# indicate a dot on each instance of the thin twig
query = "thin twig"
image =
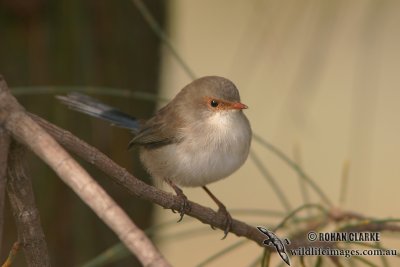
(272, 181)
(302, 184)
(344, 183)
(98, 90)
(160, 33)
(221, 253)
(295, 167)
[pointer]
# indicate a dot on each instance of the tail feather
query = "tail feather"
(95, 108)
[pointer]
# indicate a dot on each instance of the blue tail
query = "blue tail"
(95, 108)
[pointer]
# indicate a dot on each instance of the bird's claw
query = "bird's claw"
(227, 222)
(185, 206)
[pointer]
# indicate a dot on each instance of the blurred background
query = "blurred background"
(321, 79)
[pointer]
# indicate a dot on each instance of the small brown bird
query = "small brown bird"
(200, 137)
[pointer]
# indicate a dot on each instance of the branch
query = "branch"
(26, 131)
(27, 219)
(4, 145)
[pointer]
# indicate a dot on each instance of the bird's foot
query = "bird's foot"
(185, 205)
(227, 221)
(222, 210)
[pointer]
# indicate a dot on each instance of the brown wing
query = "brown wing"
(160, 130)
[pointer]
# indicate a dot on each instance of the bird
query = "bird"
(201, 136)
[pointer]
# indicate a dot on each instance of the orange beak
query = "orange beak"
(238, 105)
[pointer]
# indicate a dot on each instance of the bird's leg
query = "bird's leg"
(221, 209)
(179, 193)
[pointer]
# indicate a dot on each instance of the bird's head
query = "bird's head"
(210, 97)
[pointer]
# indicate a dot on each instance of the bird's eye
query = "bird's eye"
(214, 103)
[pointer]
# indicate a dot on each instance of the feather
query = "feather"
(95, 108)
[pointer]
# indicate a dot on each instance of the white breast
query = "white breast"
(217, 148)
